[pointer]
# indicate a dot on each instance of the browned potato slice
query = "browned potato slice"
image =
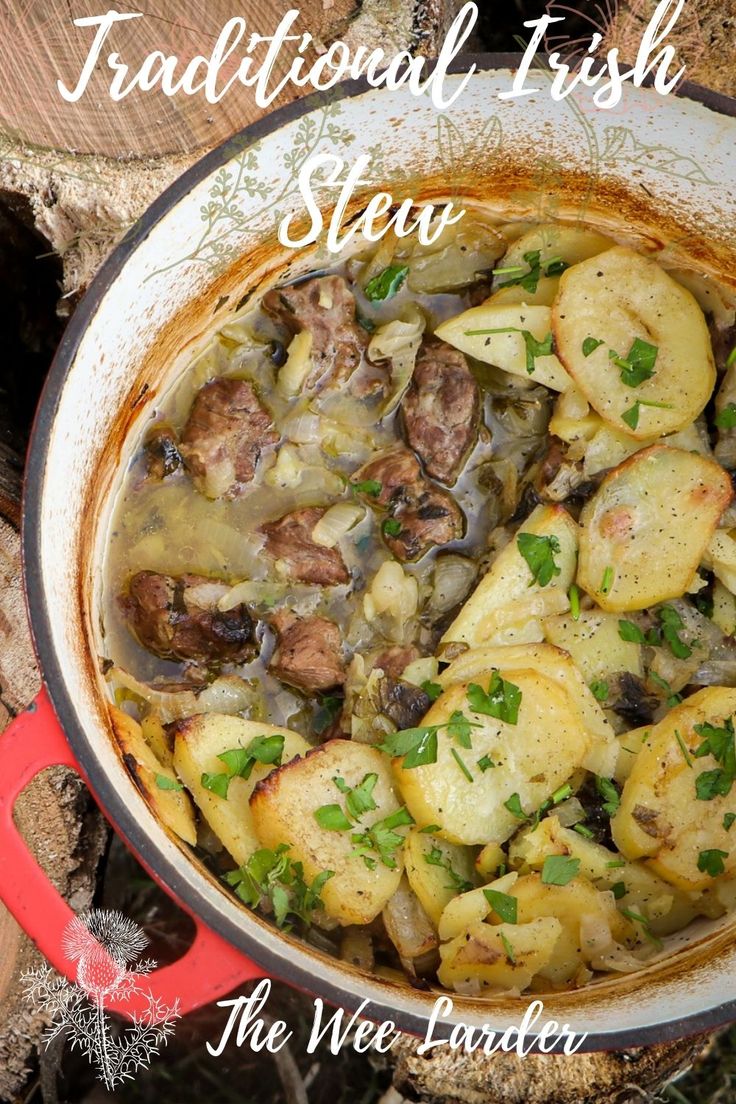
(436, 870)
(594, 643)
(198, 743)
(507, 605)
(532, 758)
(172, 806)
(615, 298)
(555, 664)
(661, 817)
(499, 957)
(284, 805)
(555, 241)
(644, 531)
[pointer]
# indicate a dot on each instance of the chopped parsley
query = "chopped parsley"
(590, 345)
(391, 527)
(165, 783)
(645, 925)
(618, 889)
(514, 807)
(599, 690)
(631, 416)
(271, 875)
(485, 763)
(574, 596)
(728, 819)
(669, 628)
(432, 690)
(631, 632)
(503, 904)
(726, 418)
(559, 870)
(672, 697)
(240, 762)
(718, 742)
(683, 749)
(731, 358)
(386, 283)
(501, 700)
(437, 857)
(616, 863)
(672, 623)
(459, 760)
(539, 553)
(583, 830)
(508, 949)
(638, 364)
(710, 861)
(370, 487)
(382, 839)
(607, 580)
(529, 278)
(332, 818)
(418, 746)
(611, 797)
(358, 799)
(534, 347)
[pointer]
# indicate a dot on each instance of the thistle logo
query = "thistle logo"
(106, 947)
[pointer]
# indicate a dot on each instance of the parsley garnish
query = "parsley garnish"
(458, 759)
(610, 795)
(529, 280)
(590, 345)
(559, 870)
(432, 690)
(574, 596)
(631, 416)
(240, 762)
(726, 418)
(501, 700)
(728, 819)
(618, 889)
(710, 861)
(503, 904)
(616, 863)
(514, 807)
(485, 763)
(370, 487)
(273, 876)
(539, 554)
(638, 364)
(683, 749)
(628, 630)
(731, 358)
(718, 742)
(583, 830)
(671, 623)
(358, 799)
(165, 783)
(382, 839)
(418, 745)
(607, 580)
(386, 283)
(645, 925)
(508, 949)
(391, 527)
(599, 690)
(672, 697)
(437, 857)
(534, 347)
(332, 818)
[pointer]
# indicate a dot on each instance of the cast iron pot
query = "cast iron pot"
(663, 166)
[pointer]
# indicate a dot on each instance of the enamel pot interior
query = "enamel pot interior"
(661, 166)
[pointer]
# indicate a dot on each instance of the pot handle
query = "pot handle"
(208, 969)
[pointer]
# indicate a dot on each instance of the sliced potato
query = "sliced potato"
(506, 347)
(436, 870)
(172, 806)
(554, 664)
(500, 957)
(488, 860)
(724, 608)
(527, 763)
(594, 643)
(283, 807)
(644, 531)
(507, 598)
(629, 745)
(556, 241)
(157, 739)
(469, 908)
(720, 555)
(198, 742)
(639, 889)
(569, 904)
(660, 817)
(615, 298)
(544, 295)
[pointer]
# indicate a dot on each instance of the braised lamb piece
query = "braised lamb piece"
(441, 410)
(176, 617)
(290, 540)
(224, 437)
(325, 307)
(308, 653)
(420, 514)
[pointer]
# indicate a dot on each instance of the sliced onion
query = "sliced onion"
(408, 926)
(421, 670)
(227, 694)
(453, 578)
(570, 812)
(336, 522)
(297, 367)
(205, 595)
(252, 590)
(394, 591)
(398, 341)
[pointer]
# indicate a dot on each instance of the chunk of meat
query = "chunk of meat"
(308, 653)
(176, 617)
(401, 702)
(421, 514)
(441, 410)
(224, 437)
(162, 452)
(290, 540)
(325, 307)
(394, 660)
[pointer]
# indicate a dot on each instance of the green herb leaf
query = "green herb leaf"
(332, 818)
(514, 807)
(391, 527)
(432, 690)
(718, 741)
(386, 283)
(417, 745)
(501, 700)
(711, 784)
(574, 596)
(485, 763)
(683, 749)
(599, 690)
(382, 839)
(458, 759)
(583, 830)
(508, 949)
(270, 875)
(370, 487)
(165, 783)
(726, 418)
(607, 580)
(627, 630)
(539, 553)
(437, 857)
(672, 698)
(329, 710)
(731, 358)
(358, 799)
(261, 749)
(503, 904)
(618, 889)
(615, 863)
(710, 861)
(611, 797)
(728, 819)
(631, 416)
(459, 727)
(638, 365)
(559, 870)
(672, 623)
(430, 829)
(590, 345)
(216, 783)
(645, 925)
(534, 347)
